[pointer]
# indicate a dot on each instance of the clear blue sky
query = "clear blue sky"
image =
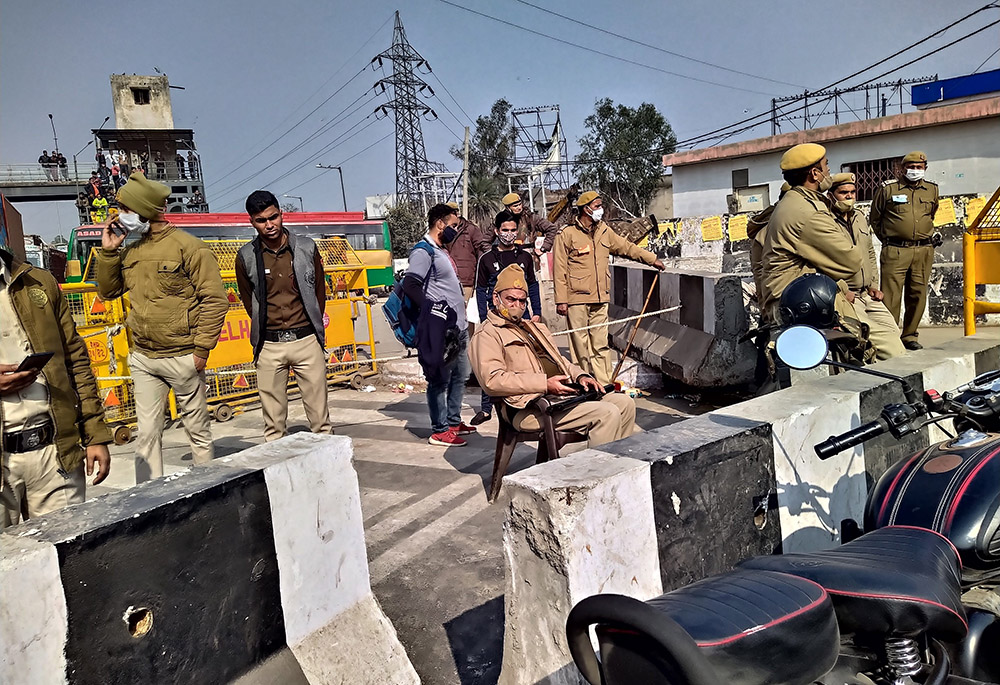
(251, 69)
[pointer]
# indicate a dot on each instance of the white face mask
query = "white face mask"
(915, 174)
(133, 222)
(597, 214)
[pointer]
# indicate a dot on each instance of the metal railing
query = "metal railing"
(35, 174)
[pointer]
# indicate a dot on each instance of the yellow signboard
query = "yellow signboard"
(711, 228)
(738, 228)
(972, 209)
(945, 213)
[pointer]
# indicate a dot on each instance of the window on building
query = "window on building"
(140, 96)
(871, 175)
(741, 178)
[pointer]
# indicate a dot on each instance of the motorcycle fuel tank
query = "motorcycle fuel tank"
(952, 488)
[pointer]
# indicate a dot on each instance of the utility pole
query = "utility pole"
(465, 177)
(55, 138)
(411, 155)
(341, 172)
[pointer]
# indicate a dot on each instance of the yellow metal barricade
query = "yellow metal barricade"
(230, 374)
(981, 261)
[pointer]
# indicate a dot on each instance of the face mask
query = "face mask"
(506, 237)
(133, 222)
(514, 314)
(843, 206)
(915, 174)
(448, 234)
(598, 214)
(826, 183)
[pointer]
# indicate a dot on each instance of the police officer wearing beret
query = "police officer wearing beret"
(863, 287)
(530, 225)
(902, 216)
(804, 236)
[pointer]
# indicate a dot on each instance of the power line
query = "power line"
(440, 83)
(592, 50)
(293, 127)
(859, 72)
(992, 55)
(341, 116)
(325, 83)
(655, 47)
(361, 151)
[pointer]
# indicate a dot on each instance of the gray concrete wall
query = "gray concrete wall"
(739, 481)
(157, 114)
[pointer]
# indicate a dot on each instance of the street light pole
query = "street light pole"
(302, 206)
(341, 172)
(76, 172)
(55, 138)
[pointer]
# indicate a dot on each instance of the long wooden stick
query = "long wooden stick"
(635, 329)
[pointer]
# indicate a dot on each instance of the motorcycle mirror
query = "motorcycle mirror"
(802, 347)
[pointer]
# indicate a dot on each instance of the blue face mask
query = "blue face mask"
(448, 234)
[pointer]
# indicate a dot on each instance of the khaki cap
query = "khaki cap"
(915, 156)
(510, 198)
(842, 178)
(586, 198)
(144, 197)
(802, 156)
(511, 277)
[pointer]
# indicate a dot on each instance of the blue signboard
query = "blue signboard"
(953, 88)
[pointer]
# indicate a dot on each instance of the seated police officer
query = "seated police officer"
(517, 360)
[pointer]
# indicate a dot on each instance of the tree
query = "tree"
(485, 193)
(632, 141)
(491, 143)
(289, 207)
(407, 225)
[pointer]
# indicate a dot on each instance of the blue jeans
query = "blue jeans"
(444, 399)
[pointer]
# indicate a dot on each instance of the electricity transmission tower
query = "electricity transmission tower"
(411, 157)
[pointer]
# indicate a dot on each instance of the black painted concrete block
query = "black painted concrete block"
(710, 476)
(619, 285)
(202, 571)
(654, 297)
(692, 291)
(987, 360)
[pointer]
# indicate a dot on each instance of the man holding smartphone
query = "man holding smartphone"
(178, 306)
(50, 412)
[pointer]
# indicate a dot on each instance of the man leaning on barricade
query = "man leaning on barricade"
(178, 305)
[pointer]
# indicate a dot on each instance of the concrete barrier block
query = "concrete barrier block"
(32, 612)
(561, 545)
(213, 573)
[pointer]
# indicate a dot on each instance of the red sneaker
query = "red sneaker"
(463, 429)
(447, 438)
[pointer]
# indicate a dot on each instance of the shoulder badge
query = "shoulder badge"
(38, 296)
(888, 183)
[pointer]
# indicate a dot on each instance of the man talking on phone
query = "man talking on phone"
(178, 306)
(50, 413)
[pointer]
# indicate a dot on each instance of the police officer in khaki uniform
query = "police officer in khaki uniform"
(803, 236)
(582, 281)
(863, 291)
(530, 225)
(757, 231)
(902, 216)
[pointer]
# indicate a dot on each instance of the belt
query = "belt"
(288, 335)
(894, 242)
(29, 439)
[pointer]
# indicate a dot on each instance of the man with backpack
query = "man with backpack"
(431, 284)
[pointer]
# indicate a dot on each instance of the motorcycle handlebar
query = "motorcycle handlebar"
(838, 443)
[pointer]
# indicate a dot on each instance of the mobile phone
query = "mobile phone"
(35, 362)
(116, 227)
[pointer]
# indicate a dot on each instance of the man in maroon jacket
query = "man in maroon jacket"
(465, 250)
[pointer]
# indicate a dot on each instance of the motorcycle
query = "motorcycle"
(915, 599)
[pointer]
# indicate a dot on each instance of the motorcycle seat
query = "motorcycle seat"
(750, 627)
(895, 581)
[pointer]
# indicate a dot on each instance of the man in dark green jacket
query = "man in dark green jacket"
(177, 307)
(51, 416)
